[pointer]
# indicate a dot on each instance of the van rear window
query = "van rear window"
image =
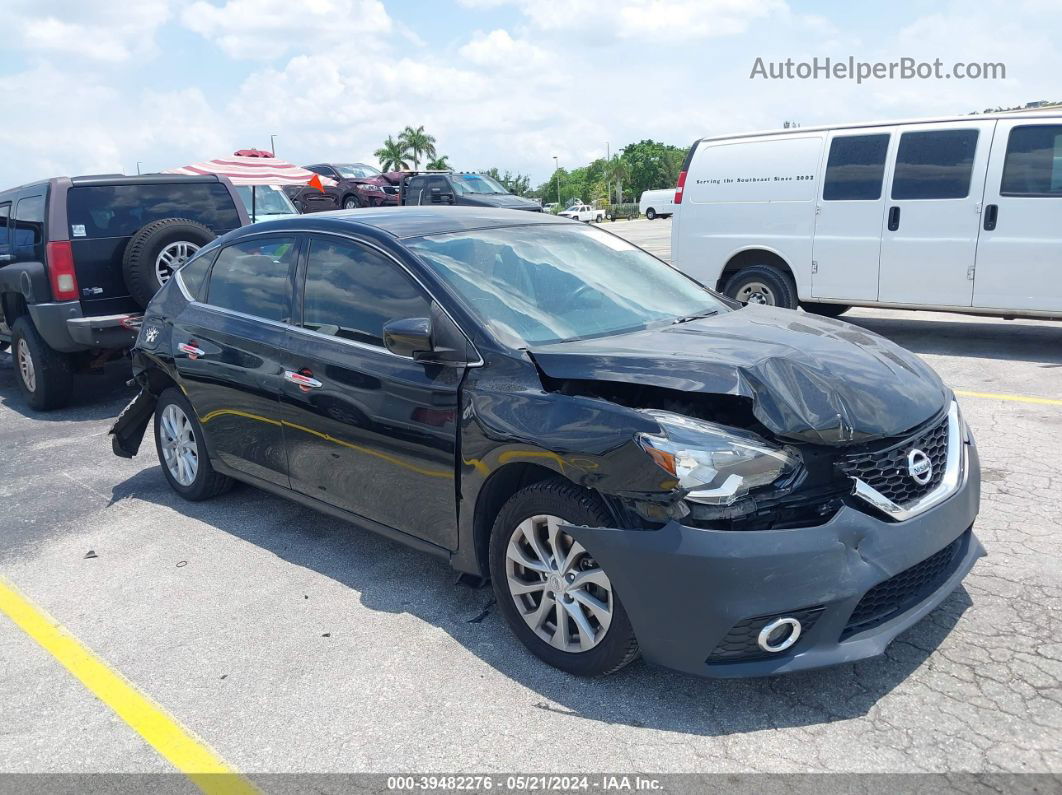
(1033, 166)
(97, 211)
(856, 167)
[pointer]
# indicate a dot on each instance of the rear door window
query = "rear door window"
(351, 291)
(100, 211)
(5, 231)
(1033, 164)
(856, 167)
(935, 164)
(28, 232)
(255, 277)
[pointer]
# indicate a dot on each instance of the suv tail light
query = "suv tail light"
(679, 186)
(60, 257)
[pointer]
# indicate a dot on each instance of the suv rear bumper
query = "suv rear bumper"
(65, 329)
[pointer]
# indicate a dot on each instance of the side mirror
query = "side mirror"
(408, 337)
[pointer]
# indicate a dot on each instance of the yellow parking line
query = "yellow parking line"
(187, 753)
(1014, 398)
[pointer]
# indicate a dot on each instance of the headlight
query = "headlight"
(716, 464)
(369, 186)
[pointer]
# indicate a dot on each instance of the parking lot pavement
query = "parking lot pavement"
(292, 642)
(654, 236)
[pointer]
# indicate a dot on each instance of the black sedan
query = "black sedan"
(638, 465)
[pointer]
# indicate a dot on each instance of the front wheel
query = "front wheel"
(554, 596)
(762, 284)
(182, 449)
(351, 203)
(650, 214)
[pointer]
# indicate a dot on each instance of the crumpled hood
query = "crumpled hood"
(503, 200)
(811, 379)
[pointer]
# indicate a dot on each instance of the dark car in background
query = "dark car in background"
(463, 188)
(81, 257)
(638, 464)
(357, 185)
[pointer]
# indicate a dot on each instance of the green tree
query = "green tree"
(440, 163)
(392, 155)
(652, 165)
(516, 184)
(418, 142)
(617, 172)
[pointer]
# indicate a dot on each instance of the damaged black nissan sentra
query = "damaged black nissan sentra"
(639, 465)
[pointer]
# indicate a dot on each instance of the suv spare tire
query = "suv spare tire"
(156, 250)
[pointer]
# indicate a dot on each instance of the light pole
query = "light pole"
(273, 144)
(138, 166)
(556, 170)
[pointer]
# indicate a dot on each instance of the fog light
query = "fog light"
(779, 635)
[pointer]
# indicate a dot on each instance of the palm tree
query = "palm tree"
(418, 143)
(392, 155)
(617, 170)
(441, 163)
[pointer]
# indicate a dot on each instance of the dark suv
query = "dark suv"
(637, 463)
(81, 257)
(357, 185)
(466, 189)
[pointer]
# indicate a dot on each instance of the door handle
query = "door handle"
(190, 349)
(894, 218)
(991, 214)
(302, 380)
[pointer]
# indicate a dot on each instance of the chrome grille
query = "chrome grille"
(886, 471)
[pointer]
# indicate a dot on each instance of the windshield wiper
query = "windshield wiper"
(688, 318)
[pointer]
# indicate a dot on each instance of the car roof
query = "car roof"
(405, 222)
(113, 179)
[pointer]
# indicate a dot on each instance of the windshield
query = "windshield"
(269, 201)
(356, 171)
(540, 284)
(477, 183)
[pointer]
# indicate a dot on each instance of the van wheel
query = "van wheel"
(44, 376)
(825, 310)
(762, 284)
(650, 214)
(157, 250)
(182, 449)
(554, 596)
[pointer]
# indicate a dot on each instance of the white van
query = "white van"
(961, 214)
(657, 203)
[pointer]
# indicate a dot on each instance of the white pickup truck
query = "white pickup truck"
(583, 212)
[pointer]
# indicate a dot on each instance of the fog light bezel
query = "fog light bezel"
(763, 639)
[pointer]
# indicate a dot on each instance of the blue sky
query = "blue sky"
(98, 86)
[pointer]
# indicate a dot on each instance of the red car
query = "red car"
(357, 185)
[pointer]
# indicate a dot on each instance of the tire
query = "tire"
(45, 377)
(351, 202)
(611, 217)
(204, 483)
(156, 250)
(772, 286)
(614, 644)
(825, 310)
(650, 214)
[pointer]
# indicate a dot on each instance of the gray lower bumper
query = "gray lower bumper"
(65, 329)
(685, 588)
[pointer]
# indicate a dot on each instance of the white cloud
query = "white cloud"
(105, 32)
(271, 29)
(498, 48)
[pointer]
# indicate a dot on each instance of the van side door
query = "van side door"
(932, 214)
(850, 214)
(1019, 252)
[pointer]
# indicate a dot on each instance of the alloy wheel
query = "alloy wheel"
(179, 450)
(25, 366)
(562, 594)
(172, 257)
(756, 293)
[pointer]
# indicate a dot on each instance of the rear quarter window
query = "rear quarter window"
(98, 211)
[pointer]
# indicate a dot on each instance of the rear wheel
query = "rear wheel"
(826, 310)
(44, 376)
(554, 596)
(182, 449)
(762, 284)
(650, 214)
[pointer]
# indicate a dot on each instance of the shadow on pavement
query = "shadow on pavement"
(389, 577)
(97, 396)
(986, 340)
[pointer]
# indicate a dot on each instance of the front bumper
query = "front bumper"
(685, 588)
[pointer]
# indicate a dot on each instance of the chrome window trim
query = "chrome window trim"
(292, 327)
(955, 475)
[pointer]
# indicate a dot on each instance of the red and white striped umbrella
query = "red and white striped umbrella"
(254, 170)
